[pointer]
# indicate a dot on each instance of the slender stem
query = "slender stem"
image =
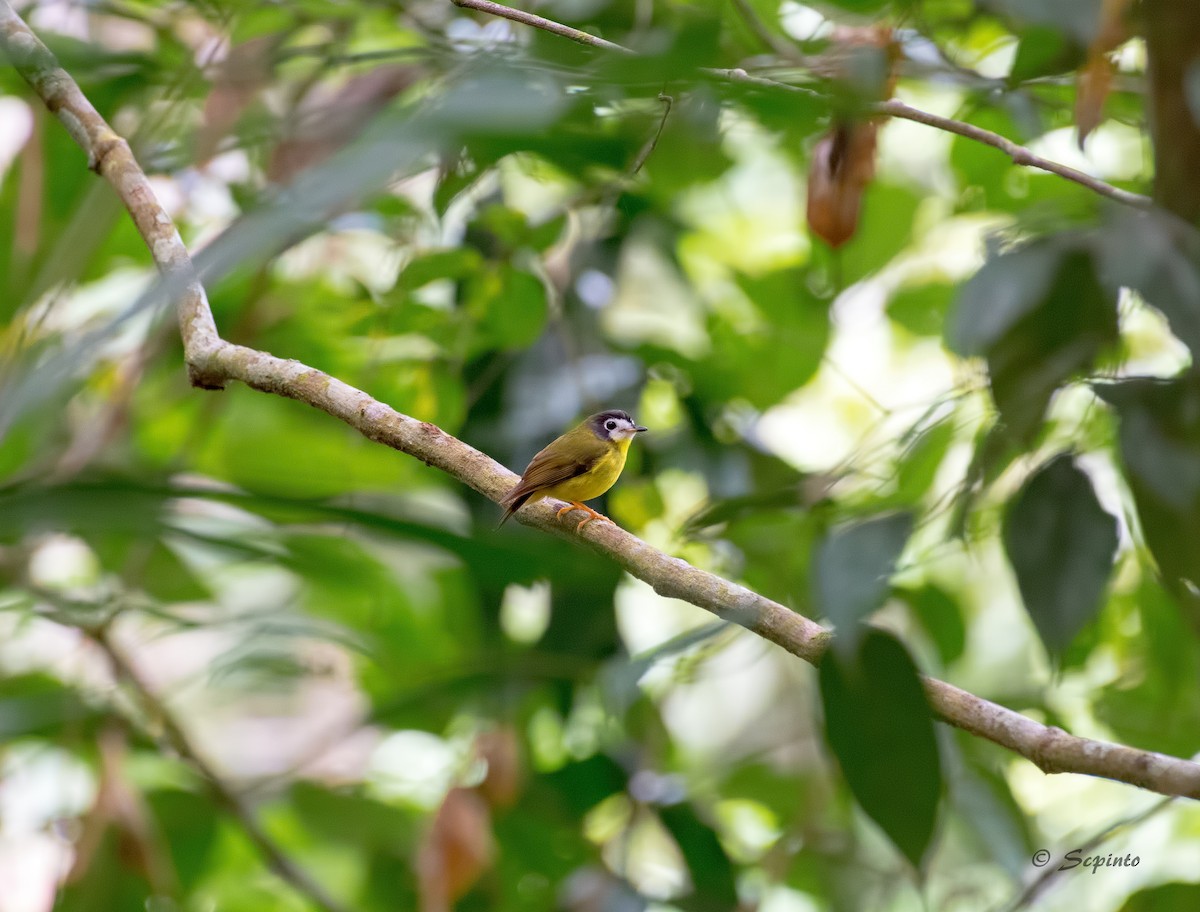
(217, 361)
(1039, 883)
(652, 143)
(153, 706)
(538, 22)
(1018, 153)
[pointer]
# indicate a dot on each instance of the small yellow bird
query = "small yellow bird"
(581, 464)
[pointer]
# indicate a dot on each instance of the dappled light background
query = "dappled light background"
(442, 209)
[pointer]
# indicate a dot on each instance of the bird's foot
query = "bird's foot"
(592, 514)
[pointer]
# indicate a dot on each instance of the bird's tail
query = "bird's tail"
(511, 505)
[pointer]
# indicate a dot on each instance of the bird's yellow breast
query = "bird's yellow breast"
(602, 476)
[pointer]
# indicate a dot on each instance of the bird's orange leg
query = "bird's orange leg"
(592, 514)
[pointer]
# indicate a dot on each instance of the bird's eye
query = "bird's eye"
(610, 424)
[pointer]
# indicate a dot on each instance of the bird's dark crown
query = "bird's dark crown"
(601, 417)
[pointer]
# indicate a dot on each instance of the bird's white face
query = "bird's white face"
(619, 428)
(615, 425)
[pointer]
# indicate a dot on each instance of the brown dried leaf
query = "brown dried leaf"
(501, 750)
(843, 161)
(1114, 27)
(1091, 91)
(457, 849)
(1094, 80)
(119, 809)
(324, 125)
(841, 168)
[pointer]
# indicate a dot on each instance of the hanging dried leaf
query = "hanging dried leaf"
(1113, 29)
(1095, 79)
(842, 166)
(1092, 87)
(456, 851)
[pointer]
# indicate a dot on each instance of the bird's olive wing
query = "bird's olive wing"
(548, 469)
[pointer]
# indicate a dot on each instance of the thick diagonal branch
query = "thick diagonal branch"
(1052, 749)
(109, 155)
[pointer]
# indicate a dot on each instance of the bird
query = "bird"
(580, 465)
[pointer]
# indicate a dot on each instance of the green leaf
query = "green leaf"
(583, 784)
(919, 466)
(884, 229)
(982, 170)
(941, 618)
(761, 782)
(37, 704)
(778, 544)
(1075, 19)
(188, 824)
(851, 571)
(689, 151)
(516, 310)
(1006, 289)
(103, 506)
(167, 578)
(456, 263)
(1159, 256)
(984, 801)
(776, 357)
(921, 309)
(1171, 897)
(346, 816)
(501, 230)
(861, 7)
(880, 729)
(1039, 314)
(1156, 704)
(242, 444)
(1159, 434)
(1061, 543)
(711, 872)
(1044, 51)
(112, 880)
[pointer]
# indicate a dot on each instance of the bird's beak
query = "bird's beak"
(638, 428)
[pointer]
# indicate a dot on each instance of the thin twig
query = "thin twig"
(156, 710)
(216, 361)
(1018, 153)
(538, 22)
(652, 143)
(1039, 883)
